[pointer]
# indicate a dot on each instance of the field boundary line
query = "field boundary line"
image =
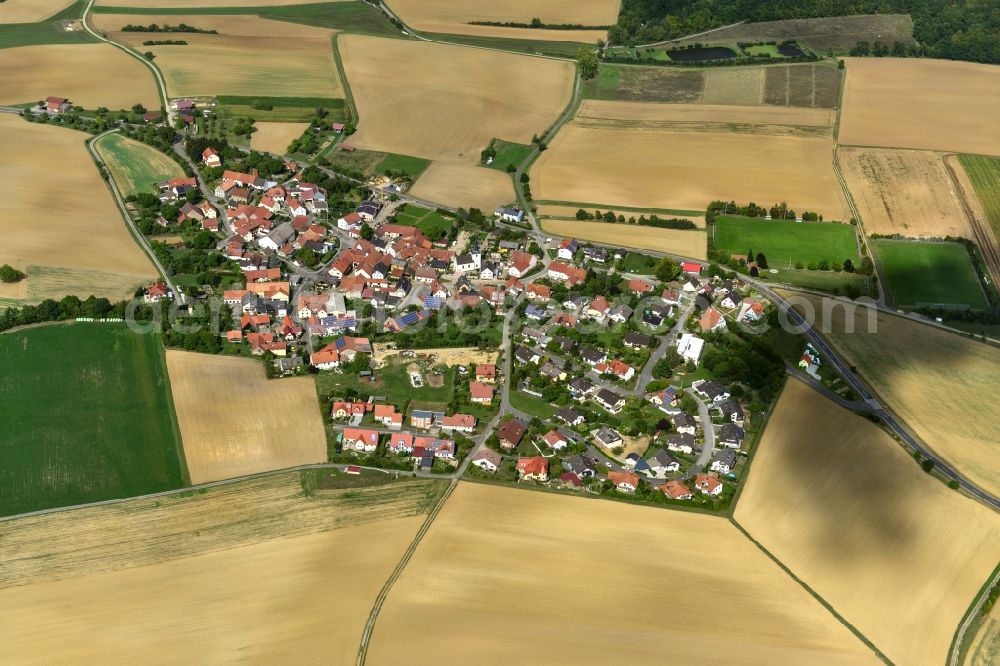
(369, 629)
(181, 456)
(983, 234)
(829, 607)
(691, 36)
(958, 639)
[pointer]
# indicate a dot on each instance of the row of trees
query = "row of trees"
(779, 211)
(642, 220)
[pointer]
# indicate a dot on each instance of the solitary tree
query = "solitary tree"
(761, 261)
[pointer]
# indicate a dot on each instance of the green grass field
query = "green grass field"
(432, 224)
(353, 17)
(87, 415)
(49, 31)
(918, 273)
(785, 242)
(508, 154)
(535, 46)
(984, 172)
(604, 85)
(135, 166)
(286, 109)
(831, 281)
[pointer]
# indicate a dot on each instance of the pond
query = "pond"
(790, 51)
(701, 53)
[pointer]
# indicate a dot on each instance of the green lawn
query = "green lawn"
(917, 273)
(535, 46)
(393, 382)
(508, 154)
(432, 224)
(640, 264)
(984, 172)
(49, 31)
(786, 242)
(531, 405)
(136, 166)
(831, 281)
(604, 85)
(411, 166)
(354, 17)
(87, 415)
(285, 109)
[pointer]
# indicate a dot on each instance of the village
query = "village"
(580, 375)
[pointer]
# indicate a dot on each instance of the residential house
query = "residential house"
(708, 484)
(682, 442)
(711, 389)
(723, 461)
(567, 249)
(691, 268)
(626, 482)
(731, 411)
(635, 340)
(509, 214)
(593, 356)
(640, 287)
(359, 439)
(388, 416)
(458, 423)
(609, 438)
(689, 347)
(676, 490)
(731, 435)
(424, 418)
(570, 416)
(486, 373)
(555, 440)
(597, 254)
(510, 433)
(581, 466)
(711, 320)
(521, 263)
(683, 423)
(662, 463)
(620, 313)
(57, 105)
(581, 388)
(480, 393)
(565, 273)
(487, 460)
(210, 158)
(535, 468)
(609, 400)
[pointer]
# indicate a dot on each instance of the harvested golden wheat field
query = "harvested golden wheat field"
(78, 72)
(275, 137)
(463, 185)
(906, 192)
(920, 103)
(63, 219)
(249, 55)
(256, 568)
(682, 242)
(454, 18)
(932, 379)
(501, 565)
(446, 102)
(848, 511)
(30, 11)
(556, 212)
(234, 421)
(662, 156)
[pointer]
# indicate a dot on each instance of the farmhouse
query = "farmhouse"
(57, 105)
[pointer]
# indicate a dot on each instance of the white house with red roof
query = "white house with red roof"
(210, 158)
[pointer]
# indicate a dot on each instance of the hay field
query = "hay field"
(843, 506)
(51, 171)
(492, 569)
(682, 242)
(644, 146)
(136, 167)
(556, 212)
(78, 72)
(234, 421)
(461, 185)
(903, 192)
(153, 4)
(264, 567)
(275, 137)
(920, 103)
(249, 55)
(933, 380)
(446, 102)
(30, 11)
(442, 16)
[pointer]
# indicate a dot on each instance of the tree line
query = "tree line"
(181, 27)
(943, 28)
(642, 220)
